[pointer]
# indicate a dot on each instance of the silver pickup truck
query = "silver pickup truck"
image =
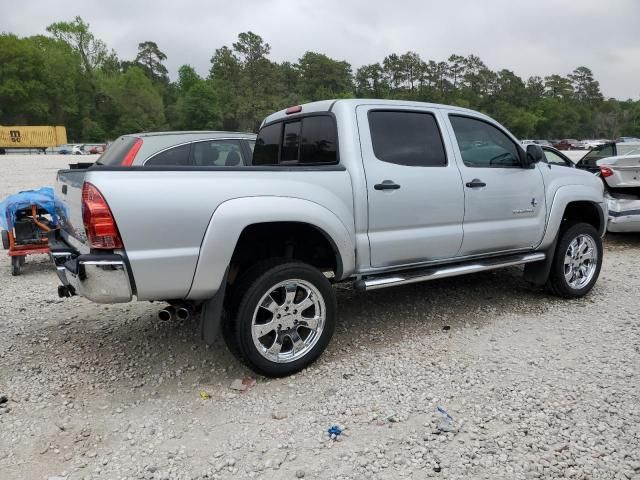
(378, 193)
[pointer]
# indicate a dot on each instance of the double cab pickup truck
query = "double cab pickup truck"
(374, 192)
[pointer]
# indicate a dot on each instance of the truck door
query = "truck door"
(414, 188)
(504, 200)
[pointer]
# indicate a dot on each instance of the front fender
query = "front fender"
(563, 196)
(233, 216)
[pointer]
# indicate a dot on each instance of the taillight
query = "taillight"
(99, 224)
(606, 172)
(127, 161)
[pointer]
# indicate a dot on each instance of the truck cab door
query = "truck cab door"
(414, 188)
(505, 206)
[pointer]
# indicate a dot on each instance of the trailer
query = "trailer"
(38, 137)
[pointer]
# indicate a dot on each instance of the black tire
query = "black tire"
(557, 282)
(5, 239)
(250, 289)
(15, 266)
(22, 260)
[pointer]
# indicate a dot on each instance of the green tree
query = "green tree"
(557, 86)
(137, 105)
(585, 87)
(76, 33)
(322, 77)
(150, 59)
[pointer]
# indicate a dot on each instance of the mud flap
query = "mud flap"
(538, 273)
(211, 313)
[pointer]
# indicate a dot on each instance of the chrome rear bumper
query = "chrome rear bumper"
(101, 278)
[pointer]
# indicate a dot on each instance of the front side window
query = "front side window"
(176, 156)
(406, 138)
(553, 158)
(310, 140)
(482, 145)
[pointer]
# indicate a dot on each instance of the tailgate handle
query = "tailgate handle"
(64, 189)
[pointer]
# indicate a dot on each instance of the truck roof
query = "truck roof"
(330, 105)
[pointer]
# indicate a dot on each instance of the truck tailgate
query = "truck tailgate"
(69, 191)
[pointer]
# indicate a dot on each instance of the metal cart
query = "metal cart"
(27, 237)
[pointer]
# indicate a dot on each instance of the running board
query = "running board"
(433, 273)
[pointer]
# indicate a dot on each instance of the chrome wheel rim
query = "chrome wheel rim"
(288, 321)
(580, 261)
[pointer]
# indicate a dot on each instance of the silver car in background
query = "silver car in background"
(176, 149)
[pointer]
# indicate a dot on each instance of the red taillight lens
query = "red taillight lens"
(99, 224)
(606, 172)
(127, 161)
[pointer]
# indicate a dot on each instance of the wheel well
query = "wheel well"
(583, 212)
(289, 240)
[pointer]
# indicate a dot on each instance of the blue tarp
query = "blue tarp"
(43, 198)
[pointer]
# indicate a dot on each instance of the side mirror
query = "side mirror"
(535, 154)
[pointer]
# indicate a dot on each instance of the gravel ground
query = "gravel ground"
(538, 387)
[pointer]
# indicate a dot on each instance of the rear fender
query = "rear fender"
(233, 216)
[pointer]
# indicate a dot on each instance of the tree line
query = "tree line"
(69, 77)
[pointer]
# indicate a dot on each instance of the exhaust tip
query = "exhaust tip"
(165, 314)
(183, 313)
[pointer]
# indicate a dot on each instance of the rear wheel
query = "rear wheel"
(5, 239)
(285, 315)
(577, 261)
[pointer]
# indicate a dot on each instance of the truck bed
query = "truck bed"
(163, 214)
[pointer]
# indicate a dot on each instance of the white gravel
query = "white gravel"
(539, 387)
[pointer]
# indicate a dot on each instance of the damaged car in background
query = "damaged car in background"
(619, 166)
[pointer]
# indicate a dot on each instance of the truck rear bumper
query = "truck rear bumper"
(101, 278)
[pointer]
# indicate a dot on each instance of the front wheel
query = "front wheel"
(577, 261)
(284, 319)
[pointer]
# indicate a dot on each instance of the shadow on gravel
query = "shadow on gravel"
(125, 350)
(622, 240)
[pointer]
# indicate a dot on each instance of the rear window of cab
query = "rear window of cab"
(308, 140)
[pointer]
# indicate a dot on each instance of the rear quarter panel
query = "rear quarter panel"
(163, 216)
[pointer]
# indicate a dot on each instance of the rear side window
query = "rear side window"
(319, 140)
(115, 153)
(216, 153)
(311, 140)
(176, 156)
(484, 146)
(407, 138)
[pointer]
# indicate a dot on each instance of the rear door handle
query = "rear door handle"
(475, 183)
(386, 185)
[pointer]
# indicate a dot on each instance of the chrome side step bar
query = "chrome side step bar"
(433, 273)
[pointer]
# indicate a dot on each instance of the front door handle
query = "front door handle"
(386, 185)
(475, 183)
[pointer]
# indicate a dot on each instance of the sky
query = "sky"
(538, 37)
